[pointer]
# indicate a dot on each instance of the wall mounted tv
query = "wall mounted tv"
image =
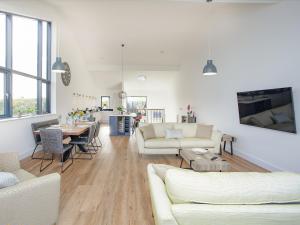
(272, 109)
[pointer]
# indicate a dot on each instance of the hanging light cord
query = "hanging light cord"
(209, 30)
(122, 56)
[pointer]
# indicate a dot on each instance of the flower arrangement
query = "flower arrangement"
(76, 114)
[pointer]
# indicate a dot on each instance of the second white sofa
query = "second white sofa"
(194, 136)
(184, 197)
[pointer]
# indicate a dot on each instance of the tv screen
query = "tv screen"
(272, 109)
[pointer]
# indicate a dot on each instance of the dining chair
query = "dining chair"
(96, 138)
(52, 142)
(37, 139)
(85, 141)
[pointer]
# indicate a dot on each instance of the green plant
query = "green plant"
(121, 109)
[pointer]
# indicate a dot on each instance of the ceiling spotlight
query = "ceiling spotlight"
(141, 77)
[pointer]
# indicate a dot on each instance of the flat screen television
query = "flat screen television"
(271, 109)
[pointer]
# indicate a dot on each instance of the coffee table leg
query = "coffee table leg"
(181, 162)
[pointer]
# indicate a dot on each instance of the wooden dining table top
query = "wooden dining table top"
(69, 130)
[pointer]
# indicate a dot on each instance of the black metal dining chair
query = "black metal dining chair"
(52, 142)
(96, 139)
(37, 138)
(85, 142)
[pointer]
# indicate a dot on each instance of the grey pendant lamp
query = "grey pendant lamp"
(209, 69)
(58, 66)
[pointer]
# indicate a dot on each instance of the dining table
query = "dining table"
(70, 131)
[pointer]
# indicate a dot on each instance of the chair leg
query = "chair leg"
(83, 153)
(62, 169)
(32, 155)
(99, 142)
(43, 168)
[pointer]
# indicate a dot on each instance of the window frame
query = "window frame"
(8, 70)
(108, 107)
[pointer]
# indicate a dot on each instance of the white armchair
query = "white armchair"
(35, 200)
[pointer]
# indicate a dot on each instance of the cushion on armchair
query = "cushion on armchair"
(8, 179)
(232, 188)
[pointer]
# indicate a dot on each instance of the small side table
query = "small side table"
(228, 138)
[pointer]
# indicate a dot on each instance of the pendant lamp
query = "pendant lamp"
(209, 69)
(58, 66)
(122, 94)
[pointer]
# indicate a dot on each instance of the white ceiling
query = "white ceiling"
(157, 33)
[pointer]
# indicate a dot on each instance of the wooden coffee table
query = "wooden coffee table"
(204, 162)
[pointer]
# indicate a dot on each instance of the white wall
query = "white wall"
(161, 89)
(253, 49)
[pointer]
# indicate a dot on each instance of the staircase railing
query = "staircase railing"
(152, 115)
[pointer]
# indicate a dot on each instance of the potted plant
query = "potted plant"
(121, 109)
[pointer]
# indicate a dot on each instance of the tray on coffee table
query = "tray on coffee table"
(203, 162)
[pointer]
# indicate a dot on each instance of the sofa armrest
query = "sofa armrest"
(161, 204)
(217, 138)
(35, 201)
(9, 162)
(140, 140)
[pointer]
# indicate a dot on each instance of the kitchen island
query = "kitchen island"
(120, 125)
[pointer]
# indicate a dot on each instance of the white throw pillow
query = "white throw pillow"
(171, 134)
(8, 179)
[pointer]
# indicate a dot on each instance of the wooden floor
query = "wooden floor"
(112, 188)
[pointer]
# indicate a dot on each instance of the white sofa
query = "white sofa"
(223, 198)
(161, 145)
(33, 201)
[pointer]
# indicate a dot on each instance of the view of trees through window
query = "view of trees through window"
(136, 102)
(24, 66)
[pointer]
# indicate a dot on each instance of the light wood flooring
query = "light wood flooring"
(112, 188)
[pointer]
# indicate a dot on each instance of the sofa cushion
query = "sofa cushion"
(188, 129)
(8, 179)
(162, 143)
(160, 129)
(204, 131)
(172, 133)
(196, 143)
(205, 214)
(232, 188)
(148, 132)
(23, 175)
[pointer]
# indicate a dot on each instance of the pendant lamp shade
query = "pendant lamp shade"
(210, 69)
(58, 66)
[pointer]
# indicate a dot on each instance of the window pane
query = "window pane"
(136, 102)
(24, 95)
(44, 60)
(44, 98)
(105, 102)
(2, 39)
(1, 94)
(25, 44)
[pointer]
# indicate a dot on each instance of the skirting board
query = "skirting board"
(258, 161)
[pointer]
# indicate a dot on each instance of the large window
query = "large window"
(135, 103)
(25, 65)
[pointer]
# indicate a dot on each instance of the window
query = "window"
(1, 94)
(105, 102)
(25, 62)
(2, 39)
(136, 102)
